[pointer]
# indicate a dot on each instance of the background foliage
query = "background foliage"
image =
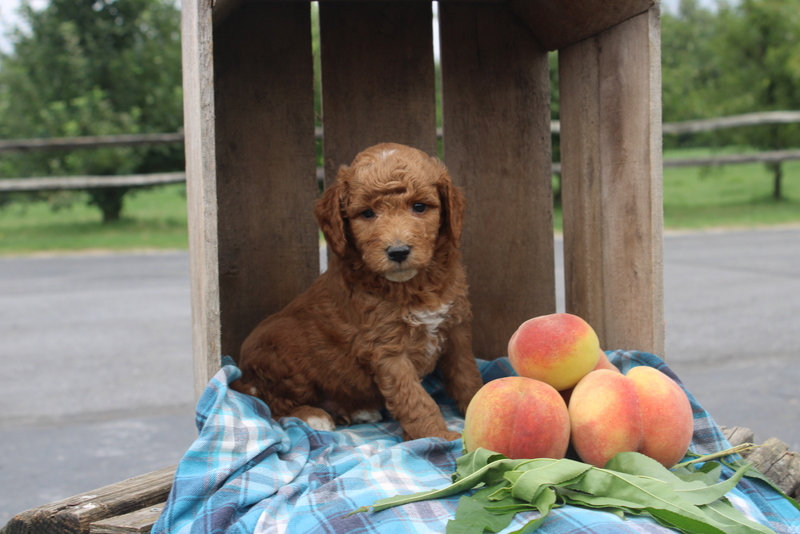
(93, 67)
(99, 67)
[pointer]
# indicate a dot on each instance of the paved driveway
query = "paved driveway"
(96, 355)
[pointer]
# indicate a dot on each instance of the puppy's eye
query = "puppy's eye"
(419, 207)
(368, 214)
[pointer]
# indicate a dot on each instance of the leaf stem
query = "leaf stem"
(727, 452)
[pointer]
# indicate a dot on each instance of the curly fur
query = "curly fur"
(376, 322)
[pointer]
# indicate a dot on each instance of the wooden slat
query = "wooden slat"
(266, 169)
(201, 186)
(92, 141)
(378, 82)
(140, 521)
(53, 183)
(611, 183)
(561, 23)
(76, 514)
(496, 112)
(223, 8)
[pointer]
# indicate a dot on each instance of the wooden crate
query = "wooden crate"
(250, 145)
(251, 168)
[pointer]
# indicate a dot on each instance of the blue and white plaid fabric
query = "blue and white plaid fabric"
(247, 473)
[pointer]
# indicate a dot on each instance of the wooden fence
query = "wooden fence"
(134, 180)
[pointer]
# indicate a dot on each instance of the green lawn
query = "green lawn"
(694, 198)
(152, 219)
(733, 195)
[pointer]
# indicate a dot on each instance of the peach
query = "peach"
(558, 349)
(667, 419)
(518, 417)
(602, 363)
(643, 411)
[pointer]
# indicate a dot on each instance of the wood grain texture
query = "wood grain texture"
(76, 514)
(612, 183)
(139, 521)
(266, 169)
(496, 109)
(201, 186)
(223, 8)
(378, 82)
(561, 23)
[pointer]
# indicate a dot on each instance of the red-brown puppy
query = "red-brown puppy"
(390, 308)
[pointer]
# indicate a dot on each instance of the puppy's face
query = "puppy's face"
(392, 197)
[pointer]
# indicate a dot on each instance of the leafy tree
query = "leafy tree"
(94, 67)
(690, 69)
(757, 43)
(740, 59)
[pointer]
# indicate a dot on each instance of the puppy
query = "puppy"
(391, 306)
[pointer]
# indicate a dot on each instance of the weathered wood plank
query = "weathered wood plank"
(772, 156)
(52, 183)
(201, 186)
(561, 23)
(91, 141)
(496, 109)
(735, 121)
(782, 466)
(223, 8)
(612, 183)
(737, 435)
(76, 514)
(378, 82)
(140, 521)
(266, 163)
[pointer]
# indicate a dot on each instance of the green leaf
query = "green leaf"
(694, 491)
(752, 472)
(604, 487)
(471, 462)
(472, 517)
(724, 512)
(472, 476)
(479, 512)
(708, 473)
(636, 485)
(546, 501)
(545, 473)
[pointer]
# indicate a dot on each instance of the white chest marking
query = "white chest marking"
(431, 320)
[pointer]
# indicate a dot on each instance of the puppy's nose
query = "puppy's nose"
(398, 254)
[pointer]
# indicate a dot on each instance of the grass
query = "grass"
(732, 195)
(694, 198)
(151, 219)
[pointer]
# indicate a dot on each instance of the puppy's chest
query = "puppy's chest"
(429, 328)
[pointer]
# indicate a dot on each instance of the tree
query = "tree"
(94, 67)
(757, 43)
(690, 70)
(740, 59)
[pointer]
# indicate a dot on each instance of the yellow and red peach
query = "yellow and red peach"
(518, 417)
(602, 363)
(558, 349)
(643, 411)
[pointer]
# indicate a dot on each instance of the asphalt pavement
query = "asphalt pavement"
(97, 369)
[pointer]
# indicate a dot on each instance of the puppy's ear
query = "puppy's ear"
(329, 212)
(454, 205)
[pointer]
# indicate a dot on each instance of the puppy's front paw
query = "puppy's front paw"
(316, 418)
(365, 416)
(321, 423)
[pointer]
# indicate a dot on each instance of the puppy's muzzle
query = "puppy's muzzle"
(398, 254)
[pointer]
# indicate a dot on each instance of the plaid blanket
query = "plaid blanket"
(247, 473)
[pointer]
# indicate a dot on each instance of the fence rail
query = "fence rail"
(138, 180)
(100, 141)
